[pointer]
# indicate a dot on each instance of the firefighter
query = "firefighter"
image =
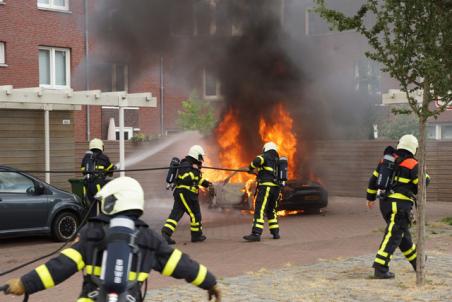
(396, 203)
(268, 191)
(95, 166)
(122, 198)
(185, 194)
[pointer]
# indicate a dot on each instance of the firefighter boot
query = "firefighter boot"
(168, 238)
(198, 238)
(383, 274)
(275, 234)
(252, 237)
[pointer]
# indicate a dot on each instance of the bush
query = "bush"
(139, 137)
(196, 114)
(398, 124)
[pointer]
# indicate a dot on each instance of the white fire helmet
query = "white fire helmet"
(96, 143)
(197, 152)
(121, 194)
(408, 142)
(270, 146)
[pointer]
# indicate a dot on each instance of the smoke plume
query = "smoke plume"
(260, 59)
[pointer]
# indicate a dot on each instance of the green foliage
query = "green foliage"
(139, 137)
(447, 220)
(411, 39)
(196, 114)
(403, 122)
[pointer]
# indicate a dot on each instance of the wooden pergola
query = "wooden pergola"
(38, 98)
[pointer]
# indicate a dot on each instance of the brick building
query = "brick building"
(44, 43)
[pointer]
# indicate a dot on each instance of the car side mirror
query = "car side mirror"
(39, 188)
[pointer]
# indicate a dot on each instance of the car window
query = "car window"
(11, 182)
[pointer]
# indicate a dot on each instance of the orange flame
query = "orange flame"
(281, 133)
(279, 130)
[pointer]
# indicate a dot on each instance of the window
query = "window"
(182, 23)
(212, 87)
(431, 131)
(367, 77)
(2, 53)
(119, 77)
(54, 4)
(11, 182)
(446, 132)
(128, 133)
(54, 67)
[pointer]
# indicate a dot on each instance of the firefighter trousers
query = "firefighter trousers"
(184, 202)
(396, 213)
(90, 189)
(266, 204)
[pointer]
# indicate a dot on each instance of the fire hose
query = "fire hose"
(85, 218)
(123, 170)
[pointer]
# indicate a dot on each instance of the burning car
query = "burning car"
(302, 193)
(295, 197)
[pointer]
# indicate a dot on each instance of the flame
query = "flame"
(281, 133)
(279, 130)
(230, 155)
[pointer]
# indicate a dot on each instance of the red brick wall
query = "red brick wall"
(24, 28)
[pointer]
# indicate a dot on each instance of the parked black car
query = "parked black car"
(29, 206)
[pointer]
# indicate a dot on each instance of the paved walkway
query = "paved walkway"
(348, 229)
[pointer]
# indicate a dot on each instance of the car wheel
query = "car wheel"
(64, 226)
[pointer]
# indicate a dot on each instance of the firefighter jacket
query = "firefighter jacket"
(86, 255)
(189, 176)
(266, 165)
(405, 181)
(103, 166)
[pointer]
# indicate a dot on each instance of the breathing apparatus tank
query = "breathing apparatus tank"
(172, 172)
(117, 259)
(386, 174)
(282, 170)
(90, 165)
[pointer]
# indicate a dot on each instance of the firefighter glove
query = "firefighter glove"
(214, 292)
(250, 170)
(15, 287)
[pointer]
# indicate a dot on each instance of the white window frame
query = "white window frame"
(2, 53)
(52, 67)
(218, 88)
(128, 130)
(52, 6)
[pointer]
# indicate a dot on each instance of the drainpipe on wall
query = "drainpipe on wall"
(87, 86)
(47, 143)
(162, 90)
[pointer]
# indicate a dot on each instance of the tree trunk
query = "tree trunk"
(422, 192)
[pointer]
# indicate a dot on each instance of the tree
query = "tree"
(393, 127)
(412, 40)
(196, 114)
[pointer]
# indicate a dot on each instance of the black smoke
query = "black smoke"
(263, 64)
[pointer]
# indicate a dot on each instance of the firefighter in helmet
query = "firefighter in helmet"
(95, 166)
(398, 172)
(267, 195)
(187, 184)
(121, 199)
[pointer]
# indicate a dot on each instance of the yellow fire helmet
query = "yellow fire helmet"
(96, 143)
(270, 146)
(408, 142)
(197, 152)
(121, 194)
